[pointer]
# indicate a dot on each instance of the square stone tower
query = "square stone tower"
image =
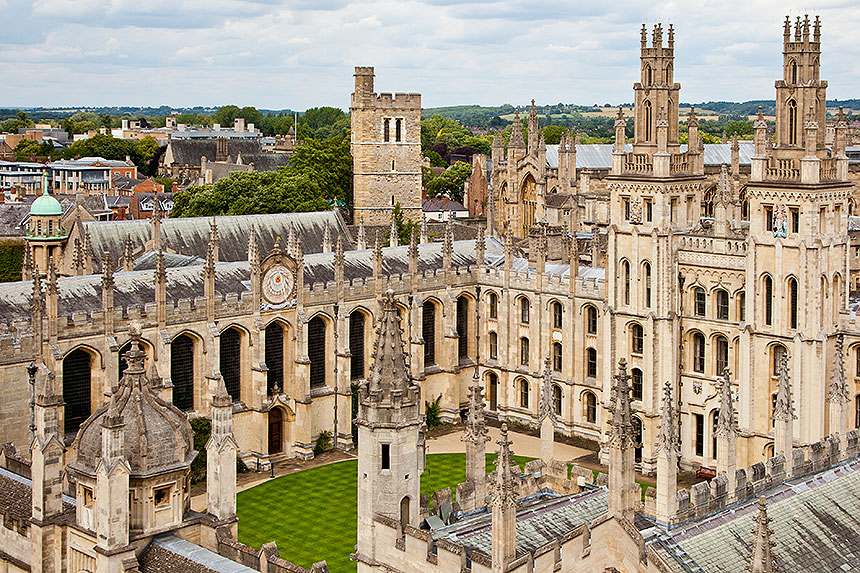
(386, 151)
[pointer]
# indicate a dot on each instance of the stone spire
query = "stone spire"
(46, 448)
(533, 129)
(480, 247)
(209, 283)
(724, 188)
(667, 458)
(361, 239)
(214, 239)
(546, 414)
(423, 235)
(160, 289)
(27, 263)
(623, 494)
(837, 391)
(37, 308)
(389, 374)
(504, 521)
(393, 236)
(326, 243)
(761, 556)
(783, 411)
(735, 155)
(292, 245)
(476, 437)
(221, 450)
(128, 255)
(727, 432)
(516, 141)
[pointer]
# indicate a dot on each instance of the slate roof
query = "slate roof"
(540, 519)
(815, 520)
(190, 152)
(12, 217)
(190, 236)
(146, 261)
(16, 494)
(170, 554)
(558, 200)
(441, 204)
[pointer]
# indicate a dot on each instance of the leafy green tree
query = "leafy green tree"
(744, 129)
(552, 134)
(405, 226)
(435, 159)
(450, 183)
(251, 115)
(27, 149)
(226, 114)
(328, 163)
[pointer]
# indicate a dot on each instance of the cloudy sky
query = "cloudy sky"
(300, 53)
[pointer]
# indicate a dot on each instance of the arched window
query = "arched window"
(428, 332)
(404, 503)
(722, 361)
(317, 351)
(636, 378)
(494, 345)
(646, 272)
(556, 399)
(648, 120)
(625, 277)
(493, 384)
(462, 327)
(356, 345)
(524, 351)
(182, 371)
(556, 314)
(591, 320)
(836, 303)
(742, 305)
(649, 75)
(556, 356)
(524, 393)
(792, 302)
(386, 130)
(230, 362)
(77, 378)
(698, 352)
(525, 306)
(767, 283)
(777, 351)
(493, 303)
(792, 122)
(699, 301)
(793, 72)
(722, 305)
(589, 406)
(275, 357)
(591, 363)
(715, 416)
(637, 339)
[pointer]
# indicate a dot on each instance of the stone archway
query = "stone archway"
(528, 193)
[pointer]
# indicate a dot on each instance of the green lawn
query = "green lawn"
(311, 514)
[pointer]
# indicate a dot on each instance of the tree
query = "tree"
(226, 114)
(250, 115)
(27, 148)
(744, 129)
(405, 227)
(328, 163)
(450, 183)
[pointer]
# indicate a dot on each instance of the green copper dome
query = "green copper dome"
(45, 206)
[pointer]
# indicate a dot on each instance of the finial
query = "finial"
(783, 409)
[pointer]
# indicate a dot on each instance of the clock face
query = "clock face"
(278, 284)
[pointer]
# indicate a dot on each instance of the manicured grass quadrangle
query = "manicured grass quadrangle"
(311, 514)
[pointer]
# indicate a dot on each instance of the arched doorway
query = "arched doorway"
(77, 379)
(276, 431)
(529, 203)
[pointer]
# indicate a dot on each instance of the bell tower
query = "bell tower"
(656, 94)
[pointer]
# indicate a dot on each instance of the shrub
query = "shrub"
(323, 442)
(432, 409)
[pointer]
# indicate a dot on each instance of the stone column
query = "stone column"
(546, 416)
(504, 520)
(667, 459)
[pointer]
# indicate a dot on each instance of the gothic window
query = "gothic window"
(317, 351)
(649, 75)
(722, 304)
(793, 72)
(591, 320)
(428, 332)
(494, 345)
(698, 352)
(230, 362)
(556, 399)
(462, 327)
(722, 362)
(646, 272)
(590, 407)
(524, 310)
(524, 351)
(494, 390)
(792, 302)
(556, 356)
(768, 300)
(398, 129)
(182, 371)
(524, 393)
(556, 314)
(493, 303)
(386, 130)
(625, 276)
(274, 357)
(637, 336)
(792, 122)
(76, 389)
(699, 301)
(777, 351)
(529, 204)
(648, 120)
(742, 306)
(356, 345)
(636, 378)
(591, 363)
